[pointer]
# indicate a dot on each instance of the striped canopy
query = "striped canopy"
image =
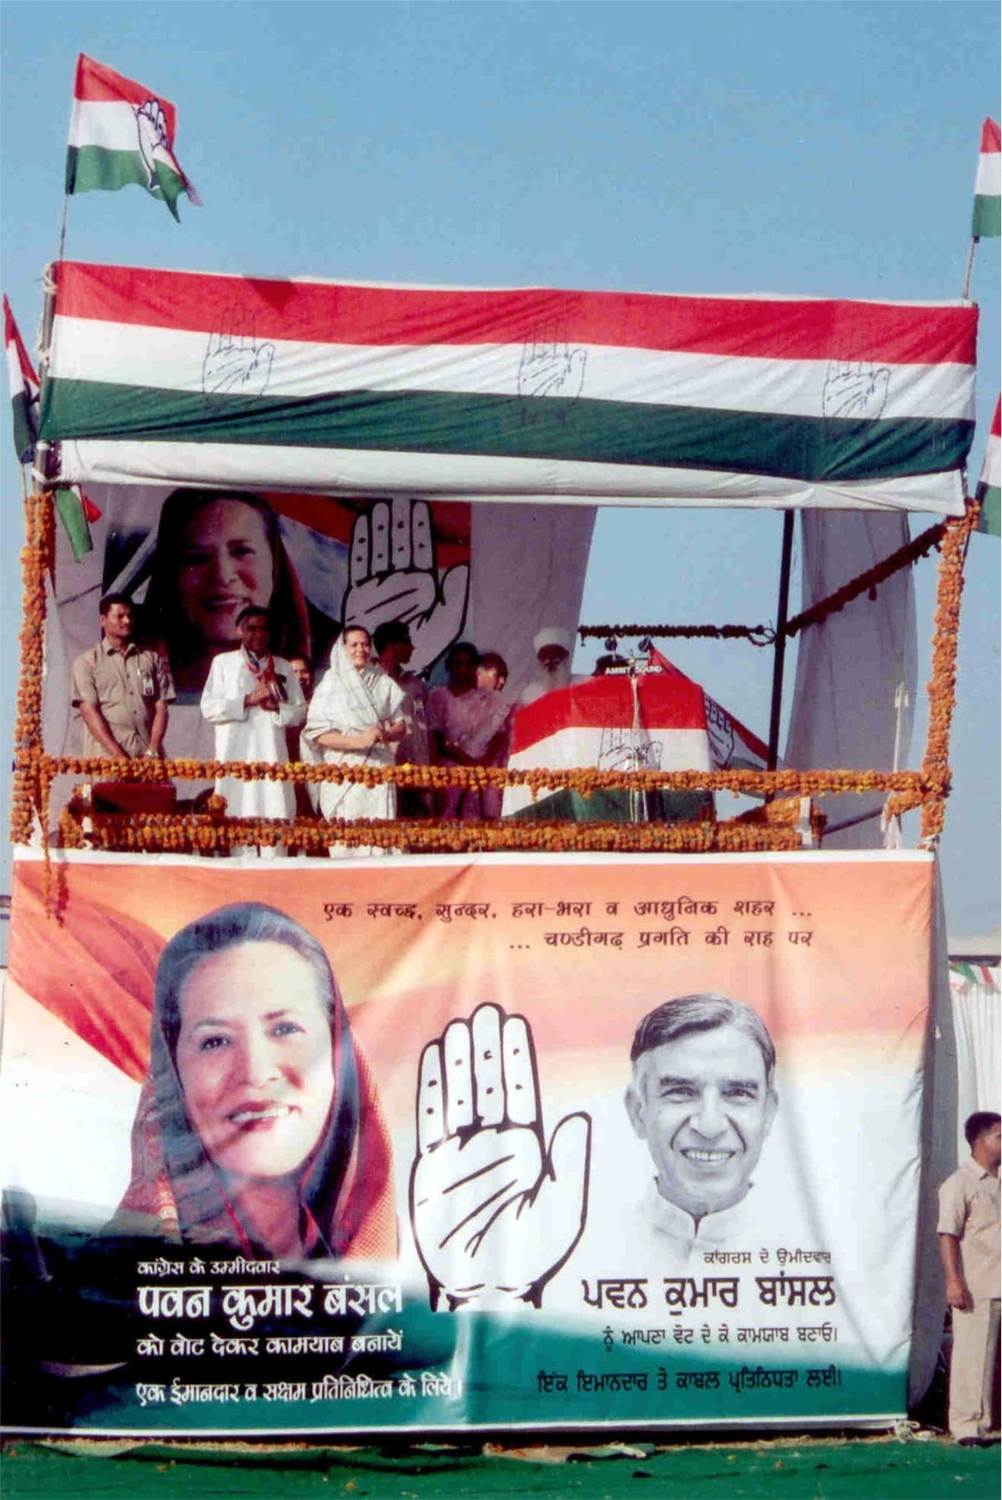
(533, 394)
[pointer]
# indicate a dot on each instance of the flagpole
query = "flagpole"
(69, 132)
(44, 451)
(62, 227)
(970, 264)
(782, 610)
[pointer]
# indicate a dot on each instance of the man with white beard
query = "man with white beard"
(553, 648)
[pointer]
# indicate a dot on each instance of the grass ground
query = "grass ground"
(922, 1467)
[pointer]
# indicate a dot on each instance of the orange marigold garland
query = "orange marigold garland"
(910, 553)
(583, 779)
(202, 834)
(943, 682)
(762, 635)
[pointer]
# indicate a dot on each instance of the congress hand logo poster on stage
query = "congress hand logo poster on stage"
(460, 1142)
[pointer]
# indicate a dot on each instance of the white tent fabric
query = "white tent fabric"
(977, 1024)
(527, 570)
(854, 694)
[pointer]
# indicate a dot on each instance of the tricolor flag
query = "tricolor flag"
(988, 485)
(988, 185)
(23, 388)
(76, 512)
(121, 132)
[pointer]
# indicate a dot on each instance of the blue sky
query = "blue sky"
(817, 148)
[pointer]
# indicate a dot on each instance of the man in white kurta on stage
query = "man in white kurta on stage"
(251, 698)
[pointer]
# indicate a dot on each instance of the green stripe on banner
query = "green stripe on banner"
(987, 221)
(807, 448)
(515, 1373)
(71, 513)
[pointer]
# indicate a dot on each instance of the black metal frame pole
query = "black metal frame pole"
(782, 611)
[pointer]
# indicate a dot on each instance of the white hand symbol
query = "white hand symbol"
(392, 576)
(494, 1212)
(152, 126)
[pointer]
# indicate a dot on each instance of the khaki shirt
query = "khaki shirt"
(969, 1210)
(126, 687)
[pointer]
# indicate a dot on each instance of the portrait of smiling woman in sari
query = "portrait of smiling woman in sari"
(258, 1124)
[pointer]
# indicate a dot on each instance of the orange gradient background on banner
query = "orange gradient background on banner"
(855, 995)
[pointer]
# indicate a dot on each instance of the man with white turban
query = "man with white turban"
(553, 648)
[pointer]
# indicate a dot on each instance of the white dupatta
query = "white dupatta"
(348, 701)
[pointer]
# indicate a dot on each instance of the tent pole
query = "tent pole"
(782, 610)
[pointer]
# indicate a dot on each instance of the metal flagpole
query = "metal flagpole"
(62, 227)
(66, 183)
(782, 611)
(970, 263)
(43, 455)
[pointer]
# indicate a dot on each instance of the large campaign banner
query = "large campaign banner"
(445, 1143)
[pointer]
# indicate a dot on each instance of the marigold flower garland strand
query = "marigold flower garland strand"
(943, 682)
(208, 835)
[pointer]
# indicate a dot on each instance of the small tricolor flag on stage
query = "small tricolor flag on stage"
(121, 132)
(23, 388)
(988, 185)
(988, 485)
(76, 513)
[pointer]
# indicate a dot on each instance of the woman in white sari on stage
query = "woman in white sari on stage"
(356, 718)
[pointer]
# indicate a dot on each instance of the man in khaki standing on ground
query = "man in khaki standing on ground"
(121, 689)
(969, 1246)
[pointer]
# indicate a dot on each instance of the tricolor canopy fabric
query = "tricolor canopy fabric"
(605, 397)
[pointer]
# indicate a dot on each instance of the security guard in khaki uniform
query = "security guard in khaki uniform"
(969, 1246)
(122, 690)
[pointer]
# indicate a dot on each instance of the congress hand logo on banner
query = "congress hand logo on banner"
(495, 1214)
(392, 576)
(238, 363)
(855, 388)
